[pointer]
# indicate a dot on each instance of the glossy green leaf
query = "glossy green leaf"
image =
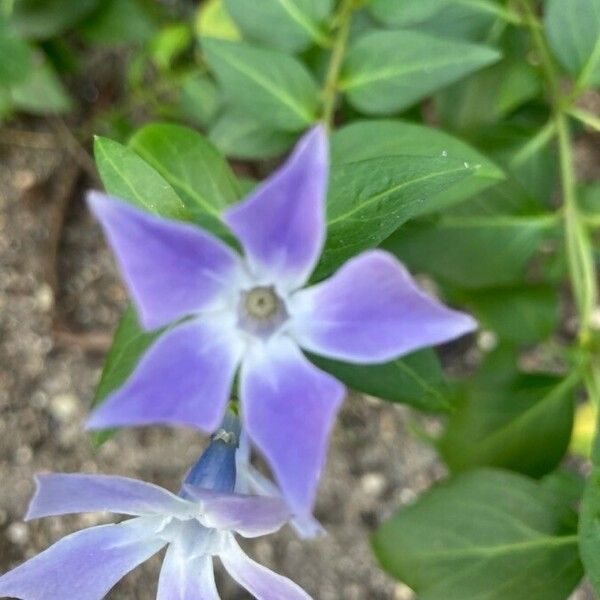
(484, 534)
(573, 30)
(416, 379)
(41, 93)
(274, 88)
(16, 58)
(193, 167)
(238, 135)
(523, 314)
(473, 252)
(41, 19)
(128, 346)
(523, 423)
(128, 177)
(290, 25)
(369, 199)
(387, 71)
(385, 137)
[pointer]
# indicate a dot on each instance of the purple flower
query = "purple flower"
(197, 525)
(226, 311)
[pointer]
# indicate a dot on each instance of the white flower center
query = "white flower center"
(261, 311)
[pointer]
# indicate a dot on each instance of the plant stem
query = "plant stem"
(330, 89)
(579, 249)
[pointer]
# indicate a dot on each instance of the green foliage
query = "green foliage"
(17, 59)
(416, 379)
(126, 176)
(291, 25)
(369, 199)
(517, 421)
(387, 71)
(276, 89)
(484, 534)
(573, 30)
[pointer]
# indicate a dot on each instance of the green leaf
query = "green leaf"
(238, 135)
(290, 25)
(128, 177)
(369, 199)
(41, 93)
(416, 379)
(17, 58)
(215, 22)
(485, 534)
(523, 314)
(199, 99)
(410, 12)
(118, 22)
(488, 95)
(42, 19)
(589, 528)
(193, 167)
(128, 346)
(523, 424)
(473, 252)
(387, 71)
(362, 140)
(274, 88)
(573, 30)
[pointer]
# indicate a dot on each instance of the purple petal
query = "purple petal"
(62, 494)
(172, 269)
(372, 311)
(289, 407)
(252, 481)
(184, 379)
(186, 577)
(84, 565)
(282, 224)
(249, 516)
(258, 580)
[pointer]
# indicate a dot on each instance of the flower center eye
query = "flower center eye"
(261, 303)
(261, 312)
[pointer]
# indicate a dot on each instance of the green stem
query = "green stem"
(330, 89)
(579, 249)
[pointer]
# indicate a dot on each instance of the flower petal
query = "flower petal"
(67, 493)
(282, 224)
(289, 407)
(172, 269)
(251, 481)
(84, 565)
(372, 311)
(261, 582)
(186, 577)
(249, 516)
(184, 379)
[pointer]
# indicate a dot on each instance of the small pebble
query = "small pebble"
(64, 407)
(18, 533)
(372, 484)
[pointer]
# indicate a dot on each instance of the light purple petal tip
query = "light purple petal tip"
(185, 576)
(184, 379)
(289, 408)
(68, 493)
(372, 311)
(249, 516)
(84, 565)
(171, 269)
(261, 582)
(282, 224)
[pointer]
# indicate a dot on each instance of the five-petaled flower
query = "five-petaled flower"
(225, 310)
(197, 525)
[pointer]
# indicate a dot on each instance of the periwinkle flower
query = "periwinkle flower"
(227, 311)
(197, 525)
